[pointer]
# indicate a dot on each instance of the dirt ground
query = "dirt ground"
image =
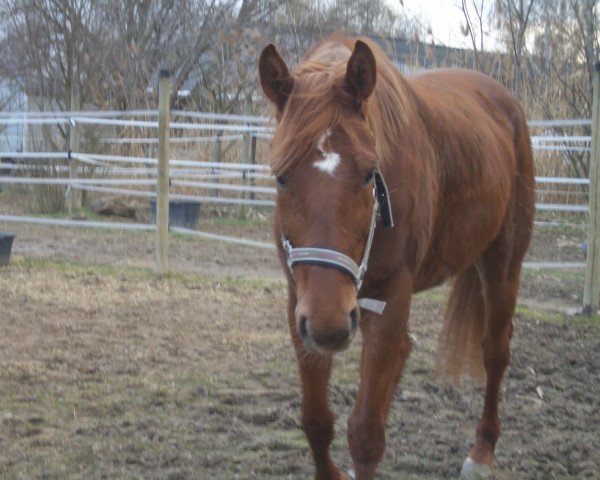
(109, 371)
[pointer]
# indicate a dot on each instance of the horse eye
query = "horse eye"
(369, 177)
(281, 180)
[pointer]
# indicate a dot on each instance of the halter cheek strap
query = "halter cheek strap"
(327, 257)
(383, 197)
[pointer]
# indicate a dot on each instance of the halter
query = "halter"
(327, 257)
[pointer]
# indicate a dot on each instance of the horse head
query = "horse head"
(323, 155)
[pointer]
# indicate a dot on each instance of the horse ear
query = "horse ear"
(275, 77)
(361, 73)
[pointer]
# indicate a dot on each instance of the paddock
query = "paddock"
(109, 371)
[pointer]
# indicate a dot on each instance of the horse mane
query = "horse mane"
(310, 110)
(319, 101)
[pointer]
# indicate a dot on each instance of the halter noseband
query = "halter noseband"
(327, 257)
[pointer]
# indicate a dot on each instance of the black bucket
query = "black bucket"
(182, 213)
(6, 241)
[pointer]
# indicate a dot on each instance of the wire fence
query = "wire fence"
(219, 159)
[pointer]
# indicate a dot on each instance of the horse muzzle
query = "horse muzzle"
(327, 338)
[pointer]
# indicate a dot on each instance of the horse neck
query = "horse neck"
(407, 158)
(395, 116)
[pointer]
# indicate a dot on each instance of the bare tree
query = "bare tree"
(143, 36)
(516, 15)
(110, 50)
(45, 44)
(474, 14)
(363, 17)
(227, 72)
(586, 14)
(565, 51)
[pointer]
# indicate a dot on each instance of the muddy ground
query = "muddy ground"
(108, 371)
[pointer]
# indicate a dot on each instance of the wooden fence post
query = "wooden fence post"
(253, 162)
(591, 291)
(74, 198)
(245, 159)
(216, 158)
(162, 179)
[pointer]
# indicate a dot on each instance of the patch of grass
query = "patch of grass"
(562, 274)
(539, 315)
(64, 266)
(209, 241)
(83, 212)
(584, 320)
(437, 296)
(222, 282)
(559, 318)
(252, 220)
(573, 226)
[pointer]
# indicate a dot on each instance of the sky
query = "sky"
(445, 18)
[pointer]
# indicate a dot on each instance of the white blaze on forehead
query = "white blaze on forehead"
(329, 163)
(331, 160)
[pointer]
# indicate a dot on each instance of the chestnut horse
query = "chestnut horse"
(454, 150)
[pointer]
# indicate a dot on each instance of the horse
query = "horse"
(388, 185)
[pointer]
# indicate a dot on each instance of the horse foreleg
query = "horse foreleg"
(317, 418)
(386, 346)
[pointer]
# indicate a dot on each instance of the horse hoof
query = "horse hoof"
(475, 471)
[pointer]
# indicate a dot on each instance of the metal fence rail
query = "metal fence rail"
(225, 183)
(115, 165)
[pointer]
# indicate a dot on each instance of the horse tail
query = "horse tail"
(460, 348)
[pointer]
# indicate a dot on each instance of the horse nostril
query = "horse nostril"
(354, 318)
(327, 339)
(303, 326)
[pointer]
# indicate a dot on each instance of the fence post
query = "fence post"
(162, 179)
(253, 162)
(216, 158)
(245, 159)
(591, 290)
(242, 195)
(74, 199)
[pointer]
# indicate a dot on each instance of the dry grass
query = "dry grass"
(117, 373)
(110, 375)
